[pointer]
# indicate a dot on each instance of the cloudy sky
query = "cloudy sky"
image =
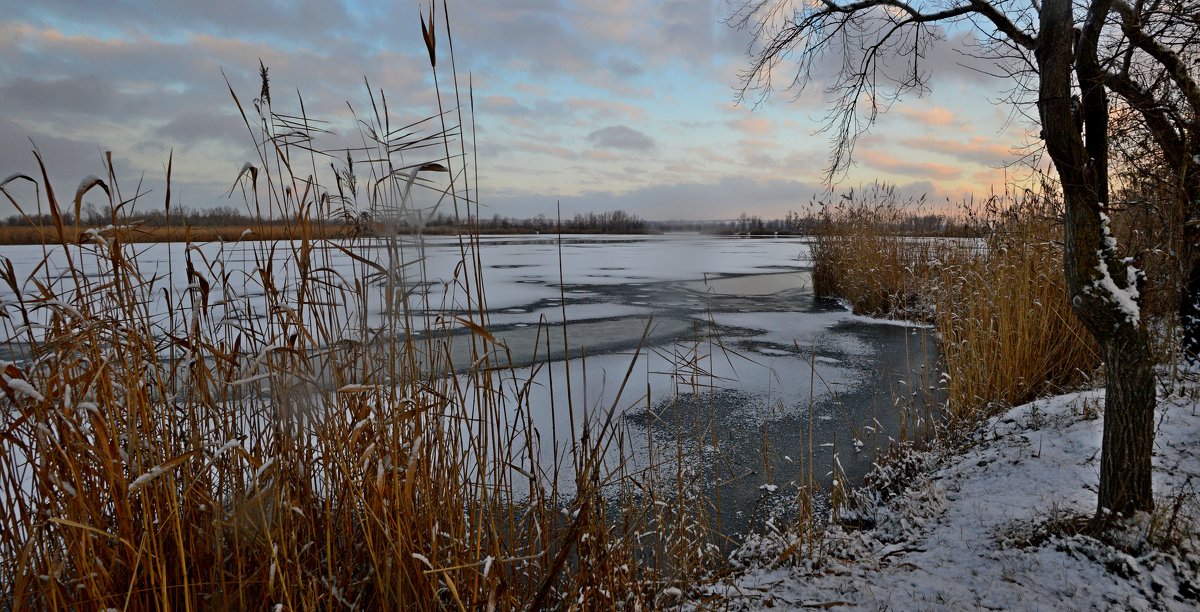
(599, 104)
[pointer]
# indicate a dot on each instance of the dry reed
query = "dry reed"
(1007, 330)
(999, 302)
(859, 254)
(254, 438)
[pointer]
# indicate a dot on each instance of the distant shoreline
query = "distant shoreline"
(31, 235)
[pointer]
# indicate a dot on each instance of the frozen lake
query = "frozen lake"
(755, 378)
(740, 369)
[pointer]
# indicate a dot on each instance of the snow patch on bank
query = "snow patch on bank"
(984, 529)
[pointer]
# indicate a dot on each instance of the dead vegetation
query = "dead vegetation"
(210, 439)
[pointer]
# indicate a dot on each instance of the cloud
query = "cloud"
(67, 161)
(74, 94)
(570, 92)
(621, 137)
(501, 105)
(602, 156)
(889, 163)
(693, 32)
(757, 126)
(935, 116)
(625, 67)
(195, 126)
(283, 21)
(532, 36)
(610, 20)
(962, 56)
(979, 149)
(722, 199)
(545, 149)
(606, 109)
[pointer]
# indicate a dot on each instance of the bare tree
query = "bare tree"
(1071, 56)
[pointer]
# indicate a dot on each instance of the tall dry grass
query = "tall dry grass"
(294, 435)
(861, 254)
(1007, 333)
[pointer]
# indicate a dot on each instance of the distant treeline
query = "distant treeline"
(91, 216)
(228, 223)
(612, 222)
(364, 223)
(811, 224)
(792, 224)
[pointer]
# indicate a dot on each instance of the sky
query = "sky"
(594, 104)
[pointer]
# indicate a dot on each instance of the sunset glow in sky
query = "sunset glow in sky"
(599, 104)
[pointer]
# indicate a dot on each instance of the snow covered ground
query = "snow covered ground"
(998, 526)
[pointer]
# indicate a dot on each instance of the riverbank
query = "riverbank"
(1003, 524)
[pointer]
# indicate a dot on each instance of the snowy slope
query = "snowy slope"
(997, 527)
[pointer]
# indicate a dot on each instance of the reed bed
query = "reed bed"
(298, 436)
(1007, 334)
(861, 254)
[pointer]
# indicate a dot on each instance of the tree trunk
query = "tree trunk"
(1125, 458)
(1096, 277)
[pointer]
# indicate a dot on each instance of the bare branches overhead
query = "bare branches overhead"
(867, 54)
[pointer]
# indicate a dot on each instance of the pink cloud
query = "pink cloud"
(757, 144)
(544, 149)
(978, 149)
(711, 155)
(533, 89)
(757, 126)
(612, 20)
(889, 163)
(601, 156)
(936, 115)
(499, 103)
(606, 108)
(990, 176)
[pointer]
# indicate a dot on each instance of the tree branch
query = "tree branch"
(1003, 23)
(870, 31)
(1151, 110)
(1177, 69)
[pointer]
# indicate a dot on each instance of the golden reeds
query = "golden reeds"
(1007, 334)
(226, 436)
(861, 254)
